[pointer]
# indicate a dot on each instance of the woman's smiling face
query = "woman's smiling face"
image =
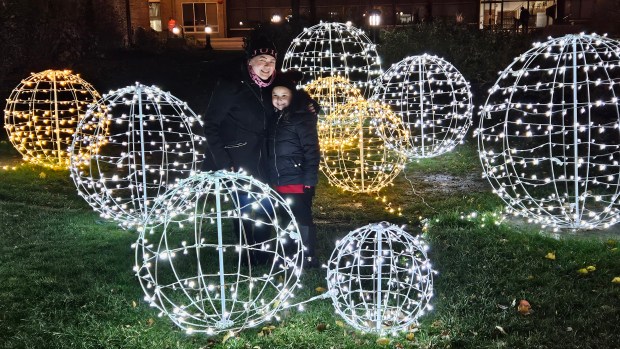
(263, 66)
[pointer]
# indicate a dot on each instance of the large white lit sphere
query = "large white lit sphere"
(549, 136)
(433, 99)
(380, 278)
(43, 112)
(147, 140)
(361, 156)
(334, 49)
(190, 263)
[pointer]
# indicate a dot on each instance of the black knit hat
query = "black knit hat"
(288, 79)
(261, 45)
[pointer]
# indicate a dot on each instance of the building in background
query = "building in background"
(234, 18)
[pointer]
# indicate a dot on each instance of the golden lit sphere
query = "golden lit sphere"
(433, 99)
(334, 49)
(139, 141)
(361, 156)
(330, 92)
(548, 139)
(43, 112)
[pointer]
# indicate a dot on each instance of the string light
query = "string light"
(190, 261)
(334, 49)
(42, 113)
(361, 156)
(549, 138)
(380, 278)
(433, 99)
(139, 142)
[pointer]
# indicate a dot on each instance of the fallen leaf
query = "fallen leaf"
(582, 271)
(134, 304)
(383, 341)
(616, 280)
(339, 323)
(228, 336)
(502, 307)
(569, 329)
(410, 336)
(150, 322)
(590, 268)
(501, 330)
(551, 256)
(524, 307)
(321, 327)
(320, 289)
(42, 175)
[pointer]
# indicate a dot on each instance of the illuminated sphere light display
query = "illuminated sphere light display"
(152, 141)
(190, 262)
(43, 112)
(331, 92)
(362, 157)
(380, 278)
(334, 49)
(432, 98)
(549, 138)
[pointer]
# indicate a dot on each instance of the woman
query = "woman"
(235, 125)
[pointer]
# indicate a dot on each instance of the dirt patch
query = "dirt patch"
(446, 183)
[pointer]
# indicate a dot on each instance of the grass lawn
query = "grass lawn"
(66, 277)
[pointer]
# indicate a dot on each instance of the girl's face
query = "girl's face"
(281, 97)
(263, 66)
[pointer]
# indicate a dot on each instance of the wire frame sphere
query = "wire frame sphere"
(191, 262)
(43, 112)
(361, 157)
(334, 49)
(147, 140)
(380, 278)
(331, 92)
(432, 98)
(549, 138)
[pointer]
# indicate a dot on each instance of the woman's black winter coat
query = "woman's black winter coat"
(294, 153)
(235, 125)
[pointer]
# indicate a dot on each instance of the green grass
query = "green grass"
(66, 278)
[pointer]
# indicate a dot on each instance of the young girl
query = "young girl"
(294, 154)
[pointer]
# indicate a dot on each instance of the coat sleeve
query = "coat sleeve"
(217, 110)
(309, 139)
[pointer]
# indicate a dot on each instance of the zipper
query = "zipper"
(259, 96)
(275, 155)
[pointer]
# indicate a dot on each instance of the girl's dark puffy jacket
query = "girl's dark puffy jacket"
(293, 143)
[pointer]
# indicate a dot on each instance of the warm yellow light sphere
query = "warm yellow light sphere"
(331, 92)
(43, 112)
(362, 157)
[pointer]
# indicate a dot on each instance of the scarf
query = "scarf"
(258, 81)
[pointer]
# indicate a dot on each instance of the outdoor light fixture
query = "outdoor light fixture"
(374, 18)
(432, 98)
(276, 18)
(190, 261)
(360, 155)
(334, 49)
(380, 279)
(176, 30)
(208, 31)
(139, 141)
(549, 138)
(42, 114)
